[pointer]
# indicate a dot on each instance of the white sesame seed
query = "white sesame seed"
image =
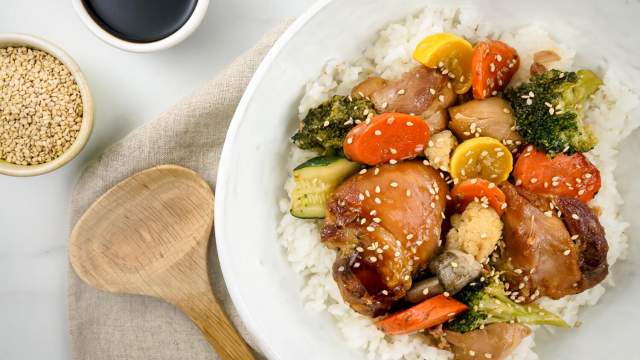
(394, 184)
(377, 133)
(409, 123)
(409, 236)
(377, 189)
(341, 268)
(373, 259)
(376, 171)
(377, 201)
(441, 98)
(384, 105)
(446, 294)
(363, 171)
(326, 123)
(529, 101)
(575, 217)
(408, 193)
(361, 196)
(350, 141)
(393, 161)
(393, 151)
(371, 229)
(401, 92)
(566, 252)
(356, 265)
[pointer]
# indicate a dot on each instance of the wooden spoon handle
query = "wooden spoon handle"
(206, 313)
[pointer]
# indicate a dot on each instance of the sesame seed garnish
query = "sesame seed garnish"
(488, 355)
(409, 123)
(472, 353)
(350, 141)
(361, 196)
(356, 265)
(376, 171)
(441, 98)
(341, 268)
(454, 264)
(529, 101)
(394, 184)
(371, 229)
(409, 236)
(566, 252)
(492, 67)
(373, 259)
(534, 180)
(393, 161)
(359, 249)
(575, 217)
(575, 237)
(446, 294)
(377, 133)
(393, 151)
(401, 92)
(425, 291)
(326, 123)
(377, 201)
(363, 171)
(384, 105)
(408, 193)
(363, 221)
(377, 189)
(377, 220)
(367, 193)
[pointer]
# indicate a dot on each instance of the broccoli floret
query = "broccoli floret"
(548, 110)
(488, 303)
(325, 127)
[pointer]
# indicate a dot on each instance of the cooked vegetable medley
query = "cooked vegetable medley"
(455, 200)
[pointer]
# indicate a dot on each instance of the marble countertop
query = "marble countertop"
(129, 89)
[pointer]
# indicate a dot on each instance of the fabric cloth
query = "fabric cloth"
(105, 326)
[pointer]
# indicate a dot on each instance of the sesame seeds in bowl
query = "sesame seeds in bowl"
(46, 109)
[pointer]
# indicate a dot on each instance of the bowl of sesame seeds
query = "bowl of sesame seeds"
(46, 108)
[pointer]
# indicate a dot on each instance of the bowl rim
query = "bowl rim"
(225, 165)
(88, 110)
(174, 39)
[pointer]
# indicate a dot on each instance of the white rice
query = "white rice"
(389, 56)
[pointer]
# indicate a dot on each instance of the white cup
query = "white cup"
(187, 29)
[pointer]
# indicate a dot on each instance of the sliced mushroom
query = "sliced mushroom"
(491, 117)
(424, 289)
(455, 269)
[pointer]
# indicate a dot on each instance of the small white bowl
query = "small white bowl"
(23, 40)
(187, 29)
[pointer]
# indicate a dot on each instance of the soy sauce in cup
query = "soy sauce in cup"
(140, 21)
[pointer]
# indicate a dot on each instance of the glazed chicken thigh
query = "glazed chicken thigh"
(385, 225)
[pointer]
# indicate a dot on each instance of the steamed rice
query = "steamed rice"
(389, 56)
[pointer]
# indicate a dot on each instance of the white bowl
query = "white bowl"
(88, 112)
(263, 286)
(172, 40)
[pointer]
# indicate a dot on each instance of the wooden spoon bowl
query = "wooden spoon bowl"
(149, 235)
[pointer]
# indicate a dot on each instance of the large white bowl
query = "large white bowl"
(265, 289)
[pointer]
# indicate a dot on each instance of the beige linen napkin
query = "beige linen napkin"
(106, 326)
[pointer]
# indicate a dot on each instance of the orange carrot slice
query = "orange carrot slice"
(387, 137)
(429, 313)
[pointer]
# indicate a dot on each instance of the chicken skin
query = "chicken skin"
(385, 225)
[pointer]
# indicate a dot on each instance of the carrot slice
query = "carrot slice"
(429, 313)
(564, 175)
(492, 65)
(387, 137)
(478, 190)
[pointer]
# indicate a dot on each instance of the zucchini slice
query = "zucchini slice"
(315, 180)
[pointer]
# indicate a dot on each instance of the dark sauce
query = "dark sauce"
(140, 21)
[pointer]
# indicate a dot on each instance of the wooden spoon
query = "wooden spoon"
(149, 235)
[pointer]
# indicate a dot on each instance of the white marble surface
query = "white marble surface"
(129, 89)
